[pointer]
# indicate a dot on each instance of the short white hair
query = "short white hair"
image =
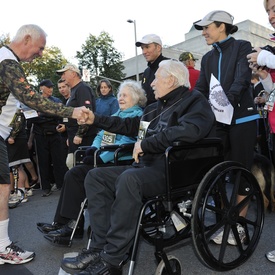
(31, 29)
(177, 69)
(136, 91)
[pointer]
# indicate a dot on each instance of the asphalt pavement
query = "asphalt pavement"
(23, 230)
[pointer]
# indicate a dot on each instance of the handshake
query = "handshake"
(83, 115)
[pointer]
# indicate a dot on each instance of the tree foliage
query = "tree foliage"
(45, 67)
(4, 39)
(102, 59)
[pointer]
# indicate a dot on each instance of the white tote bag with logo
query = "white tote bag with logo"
(219, 102)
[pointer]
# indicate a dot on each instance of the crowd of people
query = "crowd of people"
(172, 102)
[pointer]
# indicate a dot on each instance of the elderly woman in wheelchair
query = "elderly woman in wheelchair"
(132, 99)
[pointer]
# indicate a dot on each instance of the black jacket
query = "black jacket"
(149, 76)
(228, 60)
(181, 115)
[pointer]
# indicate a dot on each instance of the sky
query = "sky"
(69, 23)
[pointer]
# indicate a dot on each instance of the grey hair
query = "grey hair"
(31, 29)
(177, 69)
(137, 93)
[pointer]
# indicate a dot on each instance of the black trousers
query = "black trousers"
(114, 202)
(49, 151)
(72, 194)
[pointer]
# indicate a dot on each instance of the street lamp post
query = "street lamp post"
(135, 29)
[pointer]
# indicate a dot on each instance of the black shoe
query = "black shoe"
(36, 186)
(47, 192)
(80, 262)
(67, 230)
(101, 267)
(34, 183)
(47, 227)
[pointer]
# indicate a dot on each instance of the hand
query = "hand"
(77, 140)
(252, 57)
(91, 117)
(81, 114)
(137, 151)
(261, 71)
(11, 140)
(259, 100)
(60, 128)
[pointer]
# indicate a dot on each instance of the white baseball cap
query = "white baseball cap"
(148, 39)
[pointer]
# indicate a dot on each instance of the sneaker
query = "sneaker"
(55, 188)
(231, 239)
(271, 256)
(33, 183)
(15, 255)
(14, 198)
(217, 237)
(25, 199)
(212, 203)
(47, 192)
(29, 192)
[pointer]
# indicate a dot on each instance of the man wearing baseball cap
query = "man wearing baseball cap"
(48, 143)
(151, 46)
(189, 60)
(81, 95)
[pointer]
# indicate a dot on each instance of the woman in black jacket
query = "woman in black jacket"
(227, 64)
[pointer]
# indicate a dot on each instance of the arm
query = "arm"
(14, 79)
(124, 126)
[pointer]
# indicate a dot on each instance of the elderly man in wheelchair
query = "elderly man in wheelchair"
(120, 198)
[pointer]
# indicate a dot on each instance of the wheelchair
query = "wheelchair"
(201, 199)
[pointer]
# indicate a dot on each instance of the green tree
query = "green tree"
(45, 67)
(4, 39)
(102, 59)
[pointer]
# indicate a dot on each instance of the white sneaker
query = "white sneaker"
(15, 255)
(231, 239)
(25, 199)
(14, 199)
(29, 192)
(271, 256)
(55, 188)
(217, 237)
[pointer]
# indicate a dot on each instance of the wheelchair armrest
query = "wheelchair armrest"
(205, 141)
(83, 148)
(116, 148)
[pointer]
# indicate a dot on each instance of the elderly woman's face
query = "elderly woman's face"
(125, 99)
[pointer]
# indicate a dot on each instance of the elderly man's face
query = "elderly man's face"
(162, 83)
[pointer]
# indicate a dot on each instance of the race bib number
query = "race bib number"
(143, 126)
(108, 138)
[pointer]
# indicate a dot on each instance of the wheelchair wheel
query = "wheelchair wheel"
(174, 264)
(217, 210)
